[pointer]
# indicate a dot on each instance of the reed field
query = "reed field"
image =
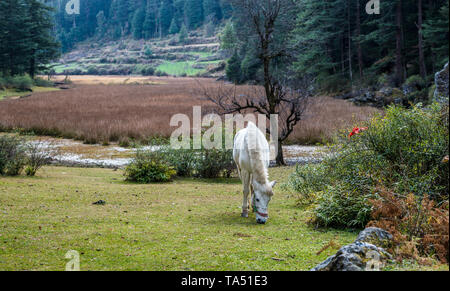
(104, 109)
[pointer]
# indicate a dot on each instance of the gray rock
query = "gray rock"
(358, 256)
(376, 236)
(408, 89)
(386, 91)
(366, 253)
(441, 81)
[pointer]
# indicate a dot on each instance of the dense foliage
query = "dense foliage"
(148, 167)
(402, 151)
(12, 155)
(161, 162)
(202, 163)
(147, 19)
(26, 41)
(342, 46)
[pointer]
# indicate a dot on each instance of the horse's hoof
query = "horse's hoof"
(244, 214)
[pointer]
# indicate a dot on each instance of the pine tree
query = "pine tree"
(101, 24)
(226, 9)
(228, 37)
(173, 29)
(233, 69)
(150, 27)
(138, 23)
(14, 44)
(436, 36)
(183, 36)
(166, 15)
(26, 41)
(193, 11)
(41, 45)
(211, 8)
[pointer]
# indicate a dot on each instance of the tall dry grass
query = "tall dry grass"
(97, 113)
(325, 116)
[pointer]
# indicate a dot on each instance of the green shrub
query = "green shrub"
(148, 71)
(307, 180)
(416, 81)
(204, 163)
(183, 160)
(402, 151)
(42, 82)
(406, 148)
(22, 83)
(92, 70)
(343, 206)
(148, 167)
(38, 154)
(213, 163)
(334, 84)
(2, 83)
(12, 155)
(161, 73)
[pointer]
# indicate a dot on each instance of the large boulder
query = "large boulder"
(365, 254)
(376, 236)
(441, 82)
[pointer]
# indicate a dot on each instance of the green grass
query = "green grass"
(189, 224)
(179, 68)
(201, 54)
(59, 69)
(14, 93)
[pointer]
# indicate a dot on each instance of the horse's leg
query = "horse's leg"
(252, 195)
(245, 176)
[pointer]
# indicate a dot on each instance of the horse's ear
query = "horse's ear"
(273, 183)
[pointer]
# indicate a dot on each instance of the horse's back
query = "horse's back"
(250, 146)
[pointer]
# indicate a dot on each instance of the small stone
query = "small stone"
(99, 202)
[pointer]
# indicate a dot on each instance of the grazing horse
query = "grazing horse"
(251, 153)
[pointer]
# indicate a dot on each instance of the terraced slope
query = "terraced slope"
(200, 56)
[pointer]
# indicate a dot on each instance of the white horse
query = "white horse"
(251, 153)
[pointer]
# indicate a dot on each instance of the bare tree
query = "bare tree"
(39, 153)
(268, 23)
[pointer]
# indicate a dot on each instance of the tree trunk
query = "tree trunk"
(350, 70)
(422, 68)
(280, 158)
(32, 68)
(358, 35)
(398, 45)
(342, 53)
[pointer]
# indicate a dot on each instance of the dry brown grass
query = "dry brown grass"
(325, 116)
(137, 108)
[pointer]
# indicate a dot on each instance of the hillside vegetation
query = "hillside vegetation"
(159, 57)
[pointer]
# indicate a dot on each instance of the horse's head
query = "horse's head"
(262, 193)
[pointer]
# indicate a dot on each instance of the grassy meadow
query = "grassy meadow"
(189, 224)
(15, 94)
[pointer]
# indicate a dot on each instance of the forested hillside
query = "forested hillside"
(140, 19)
(340, 46)
(334, 44)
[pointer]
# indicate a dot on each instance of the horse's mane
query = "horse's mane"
(260, 173)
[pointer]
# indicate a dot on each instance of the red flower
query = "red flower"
(356, 130)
